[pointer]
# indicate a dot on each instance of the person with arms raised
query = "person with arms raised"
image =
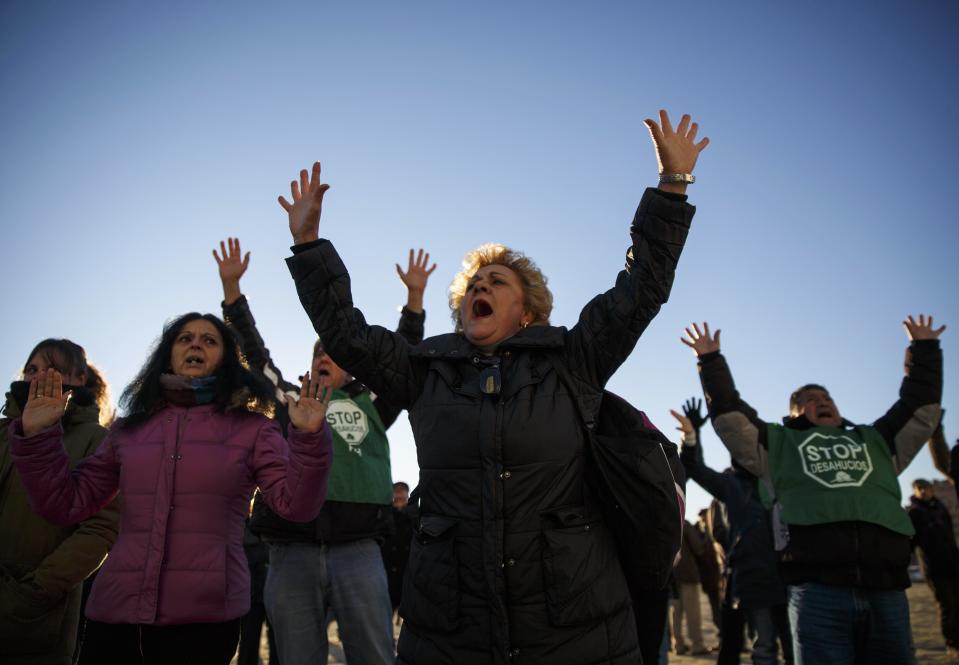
(186, 457)
(838, 520)
(510, 561)
(332, 564)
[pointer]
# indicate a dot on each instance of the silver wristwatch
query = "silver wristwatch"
(687, 178)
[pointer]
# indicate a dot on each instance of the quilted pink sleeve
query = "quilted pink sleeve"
(292, 475)
(57, 493)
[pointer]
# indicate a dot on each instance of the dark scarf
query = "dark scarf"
(184, 391)
(20, 390)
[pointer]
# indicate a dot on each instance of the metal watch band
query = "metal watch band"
(687, 178)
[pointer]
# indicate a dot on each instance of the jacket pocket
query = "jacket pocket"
(581, 571)
(431, 592)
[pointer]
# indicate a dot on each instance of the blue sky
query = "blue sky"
(136, 136)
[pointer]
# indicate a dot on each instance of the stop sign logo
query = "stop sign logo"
(835, 461)
(349, 421)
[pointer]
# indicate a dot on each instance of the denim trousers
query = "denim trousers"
(834, 625)
(307, 582)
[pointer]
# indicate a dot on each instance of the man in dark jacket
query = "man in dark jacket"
(333, 564)
(396, 547)
(753, 586)
(839, 525)
(938, 556)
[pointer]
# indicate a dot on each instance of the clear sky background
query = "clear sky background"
(134, 136)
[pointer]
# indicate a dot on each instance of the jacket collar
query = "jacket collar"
(802, 423)
(455, 346)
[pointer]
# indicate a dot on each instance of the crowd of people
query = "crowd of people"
(226, 496)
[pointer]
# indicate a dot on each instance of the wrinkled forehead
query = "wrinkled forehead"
(200, 327)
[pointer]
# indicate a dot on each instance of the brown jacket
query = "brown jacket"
(687, 570)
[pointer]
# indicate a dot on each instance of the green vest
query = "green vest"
(829, 474)
(361, 452)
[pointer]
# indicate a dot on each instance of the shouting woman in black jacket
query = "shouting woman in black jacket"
(511, 561)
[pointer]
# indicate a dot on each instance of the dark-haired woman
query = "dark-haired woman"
(42, 565)
(186, 459)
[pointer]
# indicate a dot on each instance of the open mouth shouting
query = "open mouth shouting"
(481, 309)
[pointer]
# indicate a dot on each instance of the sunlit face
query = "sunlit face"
(923, 492)
(329, 373)
(818, 408)
(493, 309)
(197, 349)
(40, 363)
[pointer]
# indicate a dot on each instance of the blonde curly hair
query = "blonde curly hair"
(537, 298)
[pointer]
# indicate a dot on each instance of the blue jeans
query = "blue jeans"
(306, 581)
(848, 626)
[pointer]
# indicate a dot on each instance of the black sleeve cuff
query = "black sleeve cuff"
(296, 249)
(709, 357)
(672, 196)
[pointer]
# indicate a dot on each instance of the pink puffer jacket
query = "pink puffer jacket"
(186, 478)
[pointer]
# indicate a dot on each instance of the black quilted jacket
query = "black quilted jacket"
(510, 561)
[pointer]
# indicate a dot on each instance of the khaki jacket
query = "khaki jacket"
(42, 566)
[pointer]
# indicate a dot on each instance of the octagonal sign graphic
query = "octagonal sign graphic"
(835, 461)
(349, 421)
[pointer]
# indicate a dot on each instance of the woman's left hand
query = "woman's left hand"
(308, 413)
(304, 212)
(676, 150)
(45, 403)
(921, 329)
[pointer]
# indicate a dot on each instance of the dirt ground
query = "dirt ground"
(922, 611)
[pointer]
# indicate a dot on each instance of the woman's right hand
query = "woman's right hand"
(307, 204)
(45, 403)
(701, 341)
(231, 268)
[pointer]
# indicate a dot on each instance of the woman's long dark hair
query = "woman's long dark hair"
(70, 358)
(235, 386)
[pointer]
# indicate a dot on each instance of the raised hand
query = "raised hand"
(676, 150)
(231, 268)
(685, 425)
(923, 329)
(308, 413)
(692, 409)
(415, 278)
(307, 204)
(45, 403)
(701, 341)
